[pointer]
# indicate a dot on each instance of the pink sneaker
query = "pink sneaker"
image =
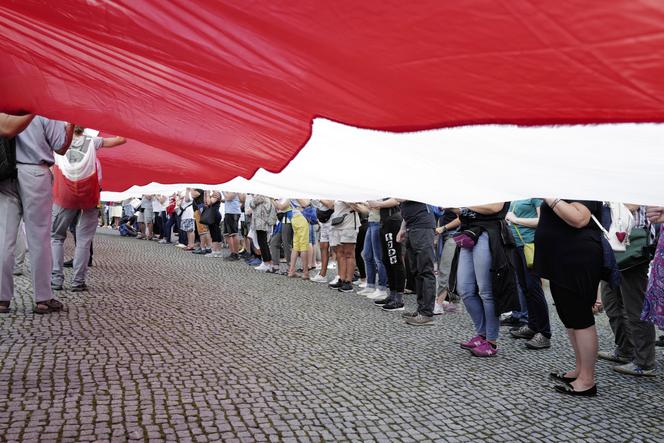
(473, 342)
(484, 350)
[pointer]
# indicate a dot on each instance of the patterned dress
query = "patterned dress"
(653, 308)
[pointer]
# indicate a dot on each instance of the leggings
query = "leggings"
(359, 246)
(392, 253)
(263, 245)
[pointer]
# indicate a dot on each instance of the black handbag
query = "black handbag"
(324, 216)
(208, 216)
(7, 158)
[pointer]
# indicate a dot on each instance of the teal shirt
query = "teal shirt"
(525, 209)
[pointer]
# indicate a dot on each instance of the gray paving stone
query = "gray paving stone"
(171, 346)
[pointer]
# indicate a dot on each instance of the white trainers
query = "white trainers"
(319, 279)
(438, 309)
(335, 280)
(180, 245)
(367, 291)
(262, 267)
(378, 294)
(332, 265)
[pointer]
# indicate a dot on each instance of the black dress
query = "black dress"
(571, 259)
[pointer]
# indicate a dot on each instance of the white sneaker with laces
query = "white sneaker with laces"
(319, 279)
(378, 294)
(367, 291)
(262, 267)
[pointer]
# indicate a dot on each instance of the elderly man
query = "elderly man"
(27, 193)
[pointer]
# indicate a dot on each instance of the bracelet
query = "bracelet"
(555, 202)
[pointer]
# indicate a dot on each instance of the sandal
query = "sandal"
(560, 376)
(46, 307)
(4, 306)
(569, 390)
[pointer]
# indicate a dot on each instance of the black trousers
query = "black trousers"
(263, 245)
(421, 256)
(392, 255)
(359, 246)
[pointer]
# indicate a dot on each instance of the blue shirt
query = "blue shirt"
(35, 145)
(525, 209)
(233, 206)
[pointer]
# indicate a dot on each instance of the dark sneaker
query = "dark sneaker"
(198, 251)
(538, 342)
(634, 369)
(393, 306)
(660, 341)
(79, 288)
(232, 257)
(613, 356)
(511, 321)
(523, 332)
(56, 286)
(346, 287)
(336, 285)
(409, 314)
(382, 302)
(420, 320)
(68, 264)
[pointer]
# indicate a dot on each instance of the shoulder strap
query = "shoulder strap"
(604, 231)
(518, 232)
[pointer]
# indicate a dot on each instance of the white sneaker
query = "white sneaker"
(214, 255)
(335, 280)
(332, 265)
(367, 291)
(319, 279)
(378, 295)
(262, 267)
(360, 283)
(180, 245)
(438, 309)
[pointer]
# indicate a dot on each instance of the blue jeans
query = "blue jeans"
(475, 287)
(372, 255)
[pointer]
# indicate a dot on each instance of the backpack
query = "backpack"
(620, 226)
(610, 272)
(310, 214)
(7, 158)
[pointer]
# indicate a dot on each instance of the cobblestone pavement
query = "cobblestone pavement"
(168, 345)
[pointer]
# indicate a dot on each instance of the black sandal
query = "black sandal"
(4, 306)
(560, 376)
(569, 390)
(46, 307)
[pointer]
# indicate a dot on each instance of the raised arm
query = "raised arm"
(574, 214)
(112, 142)
(12, 125)
(492, 208)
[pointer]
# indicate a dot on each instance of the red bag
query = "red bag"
(79, 194)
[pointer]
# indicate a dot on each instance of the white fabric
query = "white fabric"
(79, 169)
(464, 166)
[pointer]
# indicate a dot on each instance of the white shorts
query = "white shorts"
(342, 236)
(325, 232)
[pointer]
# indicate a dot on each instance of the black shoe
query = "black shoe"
(232, 257)
(560, 376)
(511, 321)
(90, 263)
(68, 263)
(383, 302)
(569, 390)
(79, 288)
(346, 287)
(336, 285)
(393, 306)
(409, 314)
(56, 287)
(660, 341)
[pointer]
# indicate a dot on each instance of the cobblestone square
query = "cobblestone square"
(171, 346)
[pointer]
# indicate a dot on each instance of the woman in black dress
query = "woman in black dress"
(568, 252)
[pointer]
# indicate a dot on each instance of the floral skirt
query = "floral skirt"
(653, 308)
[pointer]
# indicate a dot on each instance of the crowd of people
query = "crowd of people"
(492, 258)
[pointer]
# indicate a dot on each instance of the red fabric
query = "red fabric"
(216, 89)
(79, 194)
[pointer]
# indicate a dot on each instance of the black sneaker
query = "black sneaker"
(393, 306)
(232, 257)
(56, 287)
(68, 263)
(420, 320)
(346, 287)
(336, 285)
(660, 341)
(409, 314)
(79, 288)
(511, 321)
(523, 332)
(383, 302)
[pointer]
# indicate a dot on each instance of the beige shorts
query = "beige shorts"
(342, 236)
